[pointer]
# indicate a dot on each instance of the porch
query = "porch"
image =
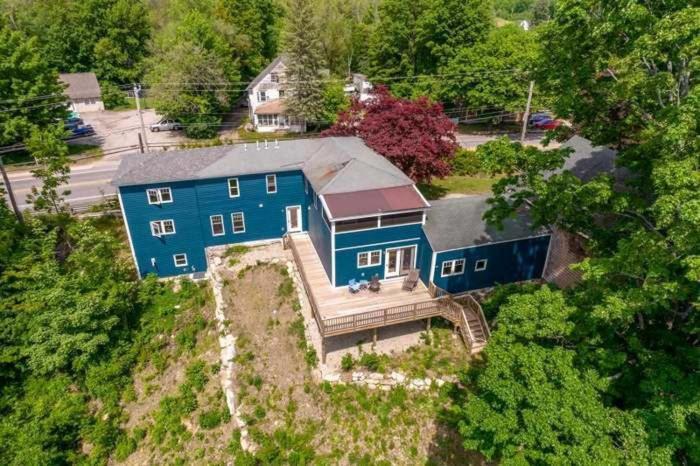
(339, 312)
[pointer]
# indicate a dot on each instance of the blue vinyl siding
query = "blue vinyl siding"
(187, 238)
(508, 262)
(425, 257)
(348, 245)
(265, 214)
(193, 204)
(319, 232)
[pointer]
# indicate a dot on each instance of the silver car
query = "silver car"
(166, 125)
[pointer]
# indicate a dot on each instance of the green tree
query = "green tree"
(304, 62)
(30, 93)
(635, 319)
(53, 170)
(189, 74)
(507, 53)
(334, 101)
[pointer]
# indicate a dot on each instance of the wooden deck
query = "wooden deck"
(339, 302)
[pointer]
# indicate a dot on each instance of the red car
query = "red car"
(548, 124)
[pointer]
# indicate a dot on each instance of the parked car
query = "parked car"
(539, 117)
(82, 130)
(548, 124)
(166, 124)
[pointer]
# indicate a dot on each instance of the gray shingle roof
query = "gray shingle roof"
(458, 223)
(587, 161)
(81, 85)
(332, 165)
(268, 69)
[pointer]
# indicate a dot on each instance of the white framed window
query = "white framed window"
(268, 120)
(306, 185)
(262, 96)
(281, 93)
(233, 188)
(369, 259)
(163, 227)
(275, 77)
(316, 201)
(159, 195)
(453, 267)
(480, 265)
(217, 225)
(238, 221)
(180, 260)
(271, 182)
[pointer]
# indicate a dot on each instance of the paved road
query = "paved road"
(473, 140)
(90, 182)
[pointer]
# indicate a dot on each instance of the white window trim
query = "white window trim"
(369, 259)
(175, 260)
(238, 188)
(481, 269)
(223, 226)
(161, 226)
(316, 201)
(159, 195)
(306, 186)
(267, 183)
(233, 223)
(452, 263)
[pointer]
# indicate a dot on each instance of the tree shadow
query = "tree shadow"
(431, 191)
(446, 447)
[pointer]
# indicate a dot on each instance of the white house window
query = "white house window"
(271, 181)
(453, 267)
(159, 196)
(180, 260)
(275, 77)
(238, 221)
(281, 93)
(162, 227)
(217, 225)
(369, 259)
(481, 265)
(233, 189)
(262, 96)
(268, 120)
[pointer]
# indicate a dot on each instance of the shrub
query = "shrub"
(213, 418)
(347, 363)
(373, 362)
(286, 288)
(196, 376)
(311, 357)
(466, 162)
(112, 96)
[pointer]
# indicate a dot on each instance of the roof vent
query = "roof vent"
(265, 143)
(245, 147)
(257, 145)
(277, 144)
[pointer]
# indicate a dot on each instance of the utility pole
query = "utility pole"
(137, 91)
(526, 117)
(10, 194)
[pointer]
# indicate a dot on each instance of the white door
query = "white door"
(293, 218)
(399, 261)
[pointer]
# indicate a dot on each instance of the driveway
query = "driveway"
(115, 130)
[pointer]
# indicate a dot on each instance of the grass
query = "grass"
(130, 105)
(74, 150)
(438, 188)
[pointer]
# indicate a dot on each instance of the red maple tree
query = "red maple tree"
(415, 135)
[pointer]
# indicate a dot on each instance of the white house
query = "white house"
(266, 100)
(83, 91)
(358, 86)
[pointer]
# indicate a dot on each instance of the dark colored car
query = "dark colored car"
(539, 117)
(82, 130)
(548, 124)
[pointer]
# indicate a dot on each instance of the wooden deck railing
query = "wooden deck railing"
(288, 242)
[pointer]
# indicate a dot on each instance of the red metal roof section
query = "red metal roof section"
(374, 201)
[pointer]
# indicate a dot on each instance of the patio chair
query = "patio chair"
(411, 280)
(374, 284)
(354, 286)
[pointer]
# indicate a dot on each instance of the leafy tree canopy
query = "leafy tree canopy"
(415, 135)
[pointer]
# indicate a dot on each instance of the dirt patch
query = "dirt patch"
(293, 419)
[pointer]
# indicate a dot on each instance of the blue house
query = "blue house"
(364, 217)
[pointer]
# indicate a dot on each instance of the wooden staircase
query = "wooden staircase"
(468, 318)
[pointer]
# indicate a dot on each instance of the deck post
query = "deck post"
(427, 329)
(374, 336)
(323, 350)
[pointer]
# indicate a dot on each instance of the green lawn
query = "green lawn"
(477, 184)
